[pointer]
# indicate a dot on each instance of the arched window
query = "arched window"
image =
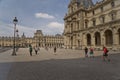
(88, 39)
(112, 4)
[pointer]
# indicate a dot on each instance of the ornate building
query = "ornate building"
(92, 25)
(38, 40)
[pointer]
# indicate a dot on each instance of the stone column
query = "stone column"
(84, 40)
(74, 42)
(102, 39)
(115, 39)
(93, 40)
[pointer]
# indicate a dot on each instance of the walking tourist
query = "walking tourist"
(54, 49)
(91, 52)
(36, 49)
(86, 52)
(105, 54)
(30, 49)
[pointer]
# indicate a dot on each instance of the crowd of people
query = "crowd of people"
(88, 52)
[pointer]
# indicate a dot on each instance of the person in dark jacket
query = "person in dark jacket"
(86, 52)
(30, 49)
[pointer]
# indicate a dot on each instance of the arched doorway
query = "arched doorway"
(119, 35)
(88, 39)
(108, 37)
(97, 39)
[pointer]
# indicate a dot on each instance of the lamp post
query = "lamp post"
(14, 22)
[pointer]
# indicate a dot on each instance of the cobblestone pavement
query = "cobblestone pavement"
(64, 65)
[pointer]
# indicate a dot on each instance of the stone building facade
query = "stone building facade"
(92, 25)
(37, 40)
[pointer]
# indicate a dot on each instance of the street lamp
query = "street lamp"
(14, 22)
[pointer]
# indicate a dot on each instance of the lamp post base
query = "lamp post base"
(14, 53)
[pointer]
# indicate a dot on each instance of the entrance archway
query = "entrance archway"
(109, 37)
(119, 35)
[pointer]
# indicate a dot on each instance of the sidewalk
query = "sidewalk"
(61, 65)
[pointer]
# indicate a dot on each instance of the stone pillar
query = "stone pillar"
(84, 41)
(70, 41)
(102, 39)
(115, 39)
(74, 42)
(93, 40)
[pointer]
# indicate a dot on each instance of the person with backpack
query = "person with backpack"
(105, 54)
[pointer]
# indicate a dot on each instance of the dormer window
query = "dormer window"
(113, 14)
(101, 9)
(113, 4)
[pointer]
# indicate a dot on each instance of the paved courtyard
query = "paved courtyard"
(66, 64)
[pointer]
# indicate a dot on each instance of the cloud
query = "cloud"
(44, 15)
(52, 28)
(55, 25)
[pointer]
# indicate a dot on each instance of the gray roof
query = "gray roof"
(85, 3)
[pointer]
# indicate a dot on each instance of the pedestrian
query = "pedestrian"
(86, 52)
(105, 54)
(30, 49)
(91, 52)
(36, 50)
(54, 49)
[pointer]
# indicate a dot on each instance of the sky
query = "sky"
(32, 15)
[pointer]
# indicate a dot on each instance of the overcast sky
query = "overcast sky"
(45, 15)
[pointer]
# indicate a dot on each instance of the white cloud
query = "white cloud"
(55, 25)
(55, 28)
(44, 15)
(51, 29)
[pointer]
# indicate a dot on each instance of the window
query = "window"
(103, 19)
(112, 4)
(93, 12)
(86, 24)
(101, 9)
(94, 22)
(112, 16)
